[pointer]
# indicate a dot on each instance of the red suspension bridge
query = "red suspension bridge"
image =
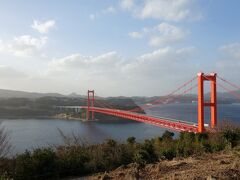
(173, 124)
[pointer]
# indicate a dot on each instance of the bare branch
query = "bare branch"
(5, 146)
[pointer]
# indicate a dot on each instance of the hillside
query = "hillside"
(221, 165)
(47, 107)
(4, 93)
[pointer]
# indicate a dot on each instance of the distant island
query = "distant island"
(20, 104)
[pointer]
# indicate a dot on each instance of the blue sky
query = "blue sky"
(122, 47)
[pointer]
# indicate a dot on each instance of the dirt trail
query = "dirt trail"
(223, 165)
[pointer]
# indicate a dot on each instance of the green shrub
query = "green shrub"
(148, 146)
(72, 162)
(232, 136)
(131, 140)
(141, 156)
(167, 136)
(109, 155)
(200, 137)
(37, 165)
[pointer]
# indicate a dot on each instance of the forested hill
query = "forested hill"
(4, 93)
(45, 107)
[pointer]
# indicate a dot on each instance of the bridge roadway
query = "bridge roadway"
(173, 124)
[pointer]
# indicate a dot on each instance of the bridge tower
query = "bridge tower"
(213, 99)
(90, 103)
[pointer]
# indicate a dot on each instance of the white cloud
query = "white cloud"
(109, 9)
(167, 10)
(98, 64)
(92, 16)
(167, 34)
(135, 35)
(10, 73)
(127, 4)
(162, 58)
(71, 61)
(1, 45)
(25, 45)
(125, 77)
(109, 73)
(228, 63)
(12, 78)
(162, 34)
(43, 27)
(232, 49)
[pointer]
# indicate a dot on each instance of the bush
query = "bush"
(72, 162)
(39, 164)
(141, 157)
(148, 146)
(165, 146)
(232, 136)
(167, 136)
(108, 156)
(131, 140)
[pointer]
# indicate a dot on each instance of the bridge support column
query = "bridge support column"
(213, 100)
(200, 103)
(90, 103)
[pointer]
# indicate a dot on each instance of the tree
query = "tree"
(167, 135)
(131, 140)
(5, 146)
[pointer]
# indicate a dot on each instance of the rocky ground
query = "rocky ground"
(222, 165)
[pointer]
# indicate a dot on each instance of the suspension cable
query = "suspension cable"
(225, 88)
(229, 83)
(159, 100)
(159, 103)
(106, 104)
(229, 91)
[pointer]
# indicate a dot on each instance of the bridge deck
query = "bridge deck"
(173, 124)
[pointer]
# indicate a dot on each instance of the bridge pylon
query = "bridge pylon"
(90, 104)
(201, 102)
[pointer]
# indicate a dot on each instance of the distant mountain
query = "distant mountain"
(4, 93)
(75, 95)
(222, 96)
(232, 95)
(20, 104)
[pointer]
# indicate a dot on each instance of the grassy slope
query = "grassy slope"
(220, 165)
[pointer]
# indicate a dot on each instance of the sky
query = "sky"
(116, 47)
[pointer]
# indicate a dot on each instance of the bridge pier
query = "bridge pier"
(213, 100)
(90, 104)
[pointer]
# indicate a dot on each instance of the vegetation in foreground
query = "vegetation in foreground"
(78, 159)
(223, 165)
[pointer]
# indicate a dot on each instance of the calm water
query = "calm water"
(32, 133)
